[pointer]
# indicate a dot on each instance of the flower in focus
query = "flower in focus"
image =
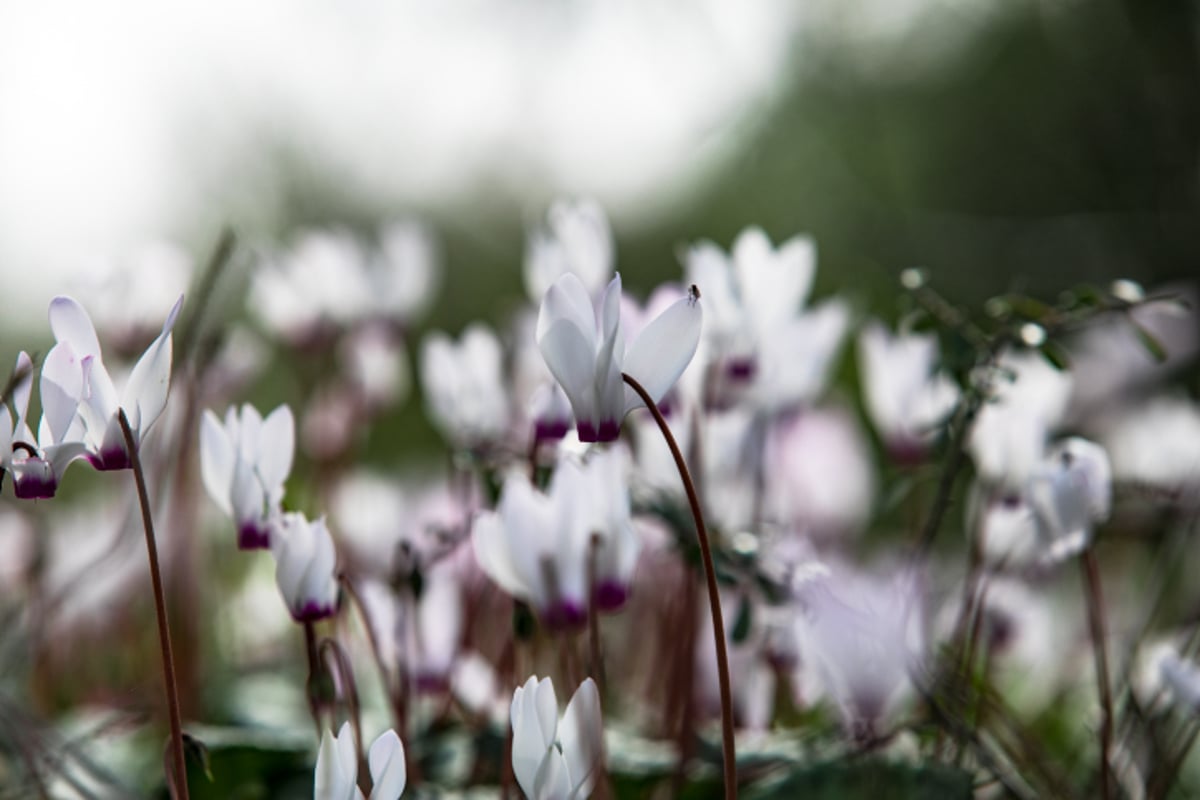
(555, 760)
(336, 776)
(305, 566)
(576, 239)
(37, 464)
(244, 463)
(585, 351)
(77, 352)
(464, 385)
(905, 396)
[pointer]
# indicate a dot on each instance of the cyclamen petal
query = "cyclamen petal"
(389, 773)
(551, 760)
(336, 774)
(305, 564)
(585, 351)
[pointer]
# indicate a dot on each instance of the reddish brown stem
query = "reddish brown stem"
(714, 599)
(178, 782)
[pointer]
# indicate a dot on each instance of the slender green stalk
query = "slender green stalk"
(714, 599)
(1095, 603)
(179, 785)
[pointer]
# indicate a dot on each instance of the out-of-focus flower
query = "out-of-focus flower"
(550, 411)
(1007, 526)
(819, 474)
(37, 464)
(464, 385)
(752, 290)
(538, 547)
(244, 463)
(328, 280)
(586, 352)
(126, 295)
(336, 775)
(1183, 679)
(534, 547)
(757, 334)
(99, 405)
(905, 396)
(1156, 445)
(865, 635)
(305, 566)
(555, 760)
(576, 239)
(1028, 402)
(475, 685)
(1111, 363)
(1071, 491)
(375, 362)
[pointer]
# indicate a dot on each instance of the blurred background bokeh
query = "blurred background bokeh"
(1024, 143)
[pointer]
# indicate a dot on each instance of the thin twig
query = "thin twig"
(179, 785)
(714, 599)
(595, 656)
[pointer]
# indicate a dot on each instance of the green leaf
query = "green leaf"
(1054, 353)
(741, 626)
(1149, 341)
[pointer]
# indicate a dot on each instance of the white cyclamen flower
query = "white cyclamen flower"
(585, 351)
(576, 239)
(905, 395)
(1070, 492)
(336, 776)
(77, 352)
(305, 566)
(534, 548)
(244, 463)
(464, 385)
(37, 464)
(555, 760)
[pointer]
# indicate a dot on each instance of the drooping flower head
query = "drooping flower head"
(77, 353)
(584, 347)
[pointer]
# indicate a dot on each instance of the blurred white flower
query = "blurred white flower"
(758, 334)
(374, 360)
(530, 549)
(537, 546)
(76, 353)
(305, 566)
(464, 385)
(328, 280)
(1183, 679)
(405, 275)
(336, 774)
(904, 394)
(126, 295)
(585, 350)
(575, 239)
(37, 464)
(244, 463)
(475, 685)
(1029, 399)
(865, 636)
(553, 759)
(1157, 445)
(1070, 492)
(1007, 526)
(819, 473)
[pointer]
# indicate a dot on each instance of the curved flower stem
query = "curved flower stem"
(714, 600)
(179, 784)
(1095, 601)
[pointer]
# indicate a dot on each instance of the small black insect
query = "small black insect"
(693, 294)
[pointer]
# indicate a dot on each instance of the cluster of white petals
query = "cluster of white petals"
(555, 759)
(336, 776)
